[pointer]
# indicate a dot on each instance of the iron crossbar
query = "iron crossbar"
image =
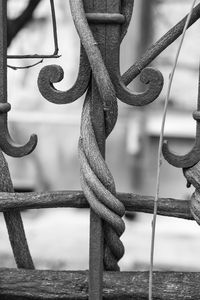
(46, 285)
(76, 199)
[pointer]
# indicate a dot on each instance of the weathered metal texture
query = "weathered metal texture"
(55, 39)
(101, 42)
(169, 207)
(68, 285)
(94, 130)
(54, 73)
(193, 157)
(14, 222)
(6, 143)
(100, 49)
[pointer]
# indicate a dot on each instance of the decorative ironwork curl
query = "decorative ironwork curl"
(100, 113)
(149, 76)
(54, 73)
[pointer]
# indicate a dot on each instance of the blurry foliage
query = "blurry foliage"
(15, 25)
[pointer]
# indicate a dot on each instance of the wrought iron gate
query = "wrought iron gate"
(101, 25)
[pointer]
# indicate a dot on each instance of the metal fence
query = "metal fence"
(101, 26)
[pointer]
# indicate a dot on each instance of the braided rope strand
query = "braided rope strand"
(96, 180)
(99, 189)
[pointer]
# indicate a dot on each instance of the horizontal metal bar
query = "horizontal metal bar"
(31, 56)
(105, 18)
(44, 284)
(133, 202)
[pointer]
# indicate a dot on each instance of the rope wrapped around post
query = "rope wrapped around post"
(100, 53)
(99, 188)
(96, 180)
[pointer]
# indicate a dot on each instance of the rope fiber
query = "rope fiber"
(96, 180)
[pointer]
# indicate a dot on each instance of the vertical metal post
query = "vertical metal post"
(96, 226)
(3, 51)
(101, 34)
(98, 122)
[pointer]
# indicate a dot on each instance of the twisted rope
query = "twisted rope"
(96, 180)
(193, 177)
(99, 189)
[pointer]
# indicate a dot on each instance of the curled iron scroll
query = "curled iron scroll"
(149, 76)
(54, 73)
(189, 159)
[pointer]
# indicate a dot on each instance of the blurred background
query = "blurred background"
(55, 235)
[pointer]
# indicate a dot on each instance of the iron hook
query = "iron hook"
(6, 143)
(148, 76)
(54, 73)
(193, 157)
(189, 159)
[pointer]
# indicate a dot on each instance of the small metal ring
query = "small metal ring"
(105, 18)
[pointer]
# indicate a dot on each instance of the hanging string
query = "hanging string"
(159, 161)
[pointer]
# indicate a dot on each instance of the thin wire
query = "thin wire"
(159, 161)
(55, 38)
(25, 67)
(55, 34)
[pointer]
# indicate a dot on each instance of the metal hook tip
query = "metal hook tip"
(11, 149)
(181, 161)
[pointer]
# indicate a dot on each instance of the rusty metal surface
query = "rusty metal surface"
(14, 222)
(101, 25)
(101, 39)
(54, 73)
